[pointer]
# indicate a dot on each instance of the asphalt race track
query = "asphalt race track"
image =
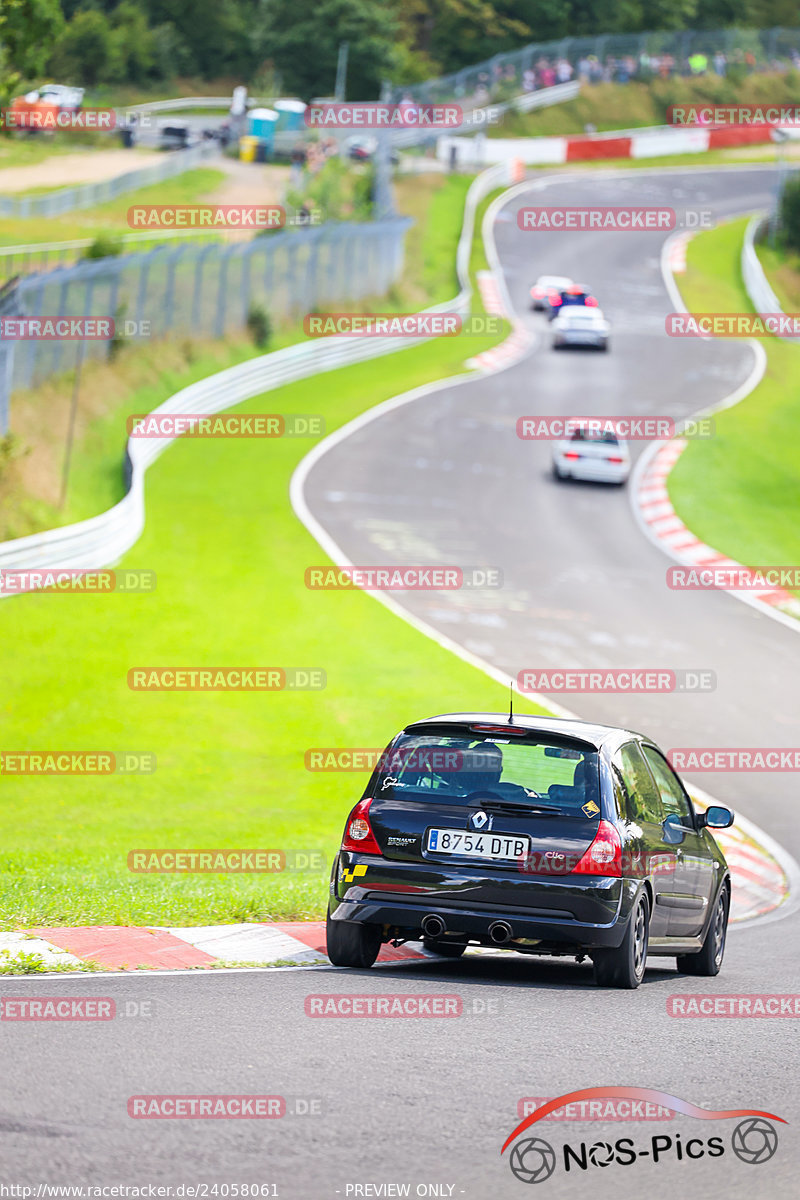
(430, 1102)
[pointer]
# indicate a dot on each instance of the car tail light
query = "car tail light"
(613, 460)
(572, 456)
(590, 302)
(358, 835)
(555, 300)
(604, 856)
(537, 292)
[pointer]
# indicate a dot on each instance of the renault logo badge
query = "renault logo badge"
(478, 820)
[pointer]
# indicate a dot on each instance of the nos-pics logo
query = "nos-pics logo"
(533, 1160)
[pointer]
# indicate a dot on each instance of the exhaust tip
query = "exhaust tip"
(433, 926)
(500, 932)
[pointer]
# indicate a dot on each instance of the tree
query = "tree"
(84, 53)
(302, 37)
(29, 29)
(133, 48)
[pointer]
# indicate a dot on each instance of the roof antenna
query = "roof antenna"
(511, 703)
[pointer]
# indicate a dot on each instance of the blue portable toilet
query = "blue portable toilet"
(261, 123)
(290, 115)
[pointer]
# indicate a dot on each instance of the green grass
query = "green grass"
(634, 105)
(230, 558)
(739, 491)
(146, 374)
(189, 188)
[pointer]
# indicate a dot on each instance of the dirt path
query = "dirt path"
(250, 183)
(64, 170)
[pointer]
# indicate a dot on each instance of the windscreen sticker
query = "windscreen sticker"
(590, 808)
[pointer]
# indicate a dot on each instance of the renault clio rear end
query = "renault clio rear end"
(517, 832)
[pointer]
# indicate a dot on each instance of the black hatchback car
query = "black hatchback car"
(544, 836)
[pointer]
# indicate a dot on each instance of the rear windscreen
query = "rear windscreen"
(465, 768)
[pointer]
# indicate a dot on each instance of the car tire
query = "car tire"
(558, 474)
(709, 960)
(351, 944)
(605, 347)
(444, 948)
(623, 966)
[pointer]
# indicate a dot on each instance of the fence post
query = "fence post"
(198, 287)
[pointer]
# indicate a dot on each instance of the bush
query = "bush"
(85, 51)
(105, 245)
(790, 214)
(11, 448)
(259, 325)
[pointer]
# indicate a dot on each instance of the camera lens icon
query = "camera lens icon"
(533, 1160)
(754, 1140)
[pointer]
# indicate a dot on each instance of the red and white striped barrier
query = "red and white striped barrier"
(652, 142)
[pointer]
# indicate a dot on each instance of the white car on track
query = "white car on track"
(592, 455)
(579, 325)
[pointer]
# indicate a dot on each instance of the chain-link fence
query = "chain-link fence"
(198, 291)
(611, 57)
(64, 200)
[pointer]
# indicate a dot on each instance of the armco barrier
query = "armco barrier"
(53, 204)
(756, 283)
(101, 540)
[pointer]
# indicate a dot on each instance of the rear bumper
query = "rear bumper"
(592, 470)
(580, 339)
(592, 913)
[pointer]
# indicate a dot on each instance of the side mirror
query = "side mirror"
(672, 830)
(716, 817)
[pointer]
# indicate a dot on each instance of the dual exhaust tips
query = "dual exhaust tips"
(499, 931)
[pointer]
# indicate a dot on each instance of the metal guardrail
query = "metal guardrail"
(179, 103)
(53, 204)
(756, 283)
(475, 122)
(102, 540)
(41, 256)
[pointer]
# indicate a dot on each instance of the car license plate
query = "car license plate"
(477, 845)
